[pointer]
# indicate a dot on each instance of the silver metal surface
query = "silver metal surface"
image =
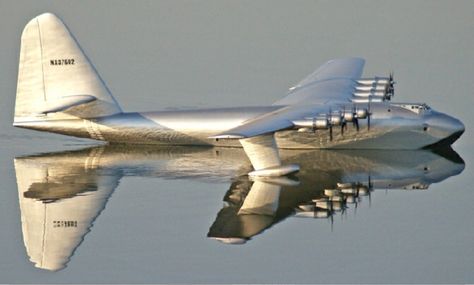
(59, 91)
(392, 127)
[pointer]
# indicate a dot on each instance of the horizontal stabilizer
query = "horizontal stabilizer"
(67, 102)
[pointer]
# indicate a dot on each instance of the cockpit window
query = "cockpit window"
(416, 108)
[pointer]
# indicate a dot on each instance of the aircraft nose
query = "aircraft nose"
(446, 128)
(449, 124)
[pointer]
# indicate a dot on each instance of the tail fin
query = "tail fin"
(55, 78)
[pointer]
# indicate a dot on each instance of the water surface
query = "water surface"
(174, 214)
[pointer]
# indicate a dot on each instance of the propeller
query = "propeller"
(330, 123)
(330, 132)
(351, 115)
(370, 190)
(368, 113)
(343, 208)
(343, 121)
(332, 222)
(355, 120)
(391, 89)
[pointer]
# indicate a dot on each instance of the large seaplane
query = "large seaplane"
(60, 91)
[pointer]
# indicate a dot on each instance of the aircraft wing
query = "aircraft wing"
(271, 122)
(333, 81)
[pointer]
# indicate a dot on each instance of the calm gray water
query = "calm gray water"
(73, 212)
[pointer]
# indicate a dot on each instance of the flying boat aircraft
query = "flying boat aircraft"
(60, 91)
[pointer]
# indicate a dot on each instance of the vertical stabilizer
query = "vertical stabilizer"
(55, 78)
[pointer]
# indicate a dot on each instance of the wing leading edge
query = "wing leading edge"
(333, 81)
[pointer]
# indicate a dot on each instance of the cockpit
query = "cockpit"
(415, 108)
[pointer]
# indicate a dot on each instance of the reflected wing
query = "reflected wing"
(333, 81)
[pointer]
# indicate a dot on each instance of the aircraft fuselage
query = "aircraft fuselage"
(392, 126)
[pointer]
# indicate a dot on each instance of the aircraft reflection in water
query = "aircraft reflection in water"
(61, 194)
(329, 182)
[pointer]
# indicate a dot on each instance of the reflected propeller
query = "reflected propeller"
(343, 121)
(355, 121)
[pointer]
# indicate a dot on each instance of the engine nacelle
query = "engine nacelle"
(374, 87)
(321, 123)
(362, 113)
(326, 121)
(335, 119)
(318, 123)
(367, 99)
(374, 80)
(349, 116)
(370, 93)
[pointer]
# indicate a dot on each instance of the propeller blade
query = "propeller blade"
(330, 123)
(392, 89)
(368, 114)
(343, 120)
(356, 123)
